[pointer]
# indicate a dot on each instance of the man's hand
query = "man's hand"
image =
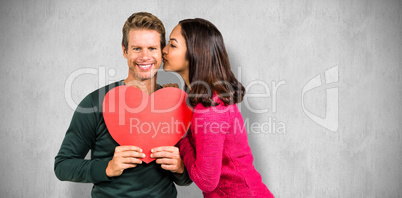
(169, 158)
(124, 157)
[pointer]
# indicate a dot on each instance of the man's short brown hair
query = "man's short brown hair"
(143, 21)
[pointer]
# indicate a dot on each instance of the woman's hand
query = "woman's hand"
(171, 85)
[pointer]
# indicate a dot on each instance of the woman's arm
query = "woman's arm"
(204, 160)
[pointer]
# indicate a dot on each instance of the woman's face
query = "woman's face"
(174, 54)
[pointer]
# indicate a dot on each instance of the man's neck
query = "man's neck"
(148, 86)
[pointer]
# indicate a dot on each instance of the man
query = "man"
(117, 171)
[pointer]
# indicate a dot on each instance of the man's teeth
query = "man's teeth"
(145, 66)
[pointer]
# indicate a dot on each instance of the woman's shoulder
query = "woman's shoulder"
(219, 109)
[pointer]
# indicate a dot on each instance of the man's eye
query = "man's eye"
(152, 48)
(136, 49)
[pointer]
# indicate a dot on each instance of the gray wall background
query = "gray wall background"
(44, 43)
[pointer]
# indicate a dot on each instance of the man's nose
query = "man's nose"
(145, 55)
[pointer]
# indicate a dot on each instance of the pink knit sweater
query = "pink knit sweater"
(217, 155)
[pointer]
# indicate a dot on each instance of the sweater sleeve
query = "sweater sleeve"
(204, 159)
(183, 179)
(70, 164)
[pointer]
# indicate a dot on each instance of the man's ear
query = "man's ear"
(124, 51)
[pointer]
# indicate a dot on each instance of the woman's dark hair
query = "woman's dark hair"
(209, 67)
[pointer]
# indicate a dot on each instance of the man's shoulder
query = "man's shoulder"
(95, 98)
(101, 92)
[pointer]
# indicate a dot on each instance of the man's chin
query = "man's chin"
(145, 77)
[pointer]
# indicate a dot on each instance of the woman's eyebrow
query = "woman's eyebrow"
(173, 39)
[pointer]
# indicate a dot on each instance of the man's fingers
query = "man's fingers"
(126, 166)
(124, 157)
(127, 148)
(129, 151)
(169, 167)
(169, 158)
(122, 162)
(165, 148)
(166, 161)
(131, 154)
(131, 161)
(163, 154)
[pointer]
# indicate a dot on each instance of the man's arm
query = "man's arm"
(70, 164)
(182, 179)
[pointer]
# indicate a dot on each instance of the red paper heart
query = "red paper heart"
(134, 118)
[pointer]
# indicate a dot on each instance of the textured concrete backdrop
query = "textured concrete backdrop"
(342, 140)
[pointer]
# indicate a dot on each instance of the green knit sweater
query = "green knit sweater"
(88, 131)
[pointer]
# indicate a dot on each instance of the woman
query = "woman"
(216, 151)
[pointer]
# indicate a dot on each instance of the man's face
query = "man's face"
(143, 54)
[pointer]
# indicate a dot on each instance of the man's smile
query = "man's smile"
(145, 66)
